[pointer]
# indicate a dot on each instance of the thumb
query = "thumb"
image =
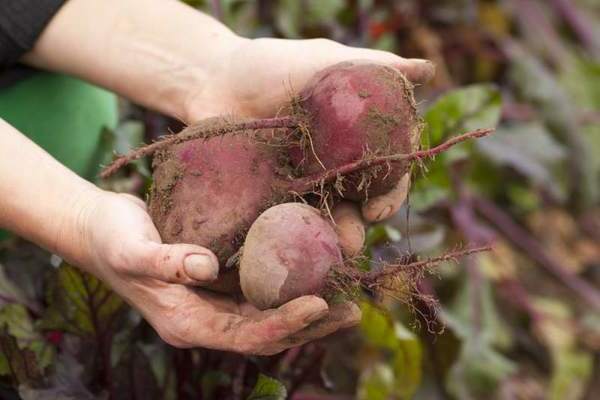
(178, 263)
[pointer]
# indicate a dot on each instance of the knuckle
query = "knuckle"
(121, 261)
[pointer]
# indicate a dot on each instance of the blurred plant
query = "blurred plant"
(520, 322)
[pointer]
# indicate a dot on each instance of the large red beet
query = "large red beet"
(354, 111)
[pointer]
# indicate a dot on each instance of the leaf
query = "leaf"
(535, 83)
(582, 82)
(267, 388)
(458, 111)
(20, 363)
(376, 383)
(81, 304)
(65, 383)
(478, 372)
(9, 292)
(474, 319)
(529, 149)
(461, 110)
(26, 267)
(401, 351)
(571, 367)
(15, 319)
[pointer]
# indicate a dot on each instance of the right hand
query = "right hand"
(164, 283)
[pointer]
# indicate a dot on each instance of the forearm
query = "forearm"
(40, 199)
(150, 51)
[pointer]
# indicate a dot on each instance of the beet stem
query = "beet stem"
(302, 185)
(195, 132)
(390, 270)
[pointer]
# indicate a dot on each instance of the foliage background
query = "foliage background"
(521, 322)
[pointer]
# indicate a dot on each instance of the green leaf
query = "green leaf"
(478, 371)
(473, 316)
(571, 367)
(267, 388)
(582, 82)
(529, 149)
(461, 110)
(15, 319)
(376, 383)
(20, 363)
(474, 319)
(456, 112)
(81, 304)
(537, 84)
(400, 349)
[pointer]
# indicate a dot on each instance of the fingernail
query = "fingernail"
(384, 213)
(200, 267)
(428, 70)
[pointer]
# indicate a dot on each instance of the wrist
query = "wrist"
(72, 239)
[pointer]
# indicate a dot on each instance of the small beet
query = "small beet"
(288, 253)
(353, 111)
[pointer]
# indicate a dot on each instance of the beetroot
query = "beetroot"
(288, 253)
(353, 111)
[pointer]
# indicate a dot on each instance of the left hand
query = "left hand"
(121, 246)
(256, 81)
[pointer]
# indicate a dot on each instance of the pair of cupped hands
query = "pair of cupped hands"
(164, 281)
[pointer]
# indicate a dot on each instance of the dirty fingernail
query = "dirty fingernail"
(200, 267)
(384, 213)
(425, 70)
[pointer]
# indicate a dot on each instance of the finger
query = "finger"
(382, 207)
(349, 227)
(257, 335)
(136, 200)
(416, 70)
(176, 263)
(341, 316)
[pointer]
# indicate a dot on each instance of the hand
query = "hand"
(124, 250)
(277, 68)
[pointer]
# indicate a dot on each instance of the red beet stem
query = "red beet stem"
(195, 132)
(302, 185)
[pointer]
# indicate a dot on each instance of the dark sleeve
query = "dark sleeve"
(21, 22)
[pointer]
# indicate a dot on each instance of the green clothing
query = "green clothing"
(63, 115)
